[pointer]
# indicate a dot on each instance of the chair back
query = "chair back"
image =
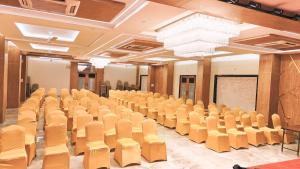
(253, 115)
(109, 121)
(149, 127)
(230, 122)
(94, 131)
(124, 129)
(246, 120)
(136, 119)
(260, 121)
(276, 121)
(55, 135)
(83, 119)
(12, 137)
(194, 118)
(211, 123)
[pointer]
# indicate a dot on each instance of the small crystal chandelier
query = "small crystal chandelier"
(99, 62)
(197, 35)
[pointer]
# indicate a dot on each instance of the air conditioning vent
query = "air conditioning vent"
(25, 3)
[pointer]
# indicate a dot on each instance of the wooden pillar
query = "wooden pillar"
(23, 77)
(3, 79)
(169, 68)
(160, 78)
(268, 85)
(74, 75)
(14, 77)
(203, 80)
(99, 79)
(137, 82)
(151, 79)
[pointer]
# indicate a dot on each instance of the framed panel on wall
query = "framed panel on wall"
(236, 91)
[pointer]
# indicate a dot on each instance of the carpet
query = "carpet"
(291, 164)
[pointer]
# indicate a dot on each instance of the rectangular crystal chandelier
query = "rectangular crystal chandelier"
(197, 35)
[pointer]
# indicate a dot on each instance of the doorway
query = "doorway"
(143, 82)
(187, 86)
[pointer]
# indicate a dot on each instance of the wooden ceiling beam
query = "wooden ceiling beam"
(236, 13)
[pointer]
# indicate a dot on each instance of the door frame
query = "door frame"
(180, 84)
(216, 83)
(140, 87)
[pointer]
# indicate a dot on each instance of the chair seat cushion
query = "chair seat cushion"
(59, 149)
(153, 139)
(96, 145)
(127, 142)
(13, 154)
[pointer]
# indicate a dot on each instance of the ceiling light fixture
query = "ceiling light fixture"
(44, 32)
(49, 47)
(99, 62)
(197, 35)
(160, 59)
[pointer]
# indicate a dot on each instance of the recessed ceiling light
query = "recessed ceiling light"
(49, 47)
(160, 59)
(44, 32)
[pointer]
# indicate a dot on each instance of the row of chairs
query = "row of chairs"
(18, 142)
(124, 131)
(220, 127)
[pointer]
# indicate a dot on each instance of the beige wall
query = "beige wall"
(233, 65)
(182, 68)
(115, 72)
(49, 74)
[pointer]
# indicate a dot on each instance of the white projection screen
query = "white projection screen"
(236, 91)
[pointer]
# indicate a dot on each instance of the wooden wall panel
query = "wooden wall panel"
(23, 77)
(289, 89)
(3, 79)
(73, 75)
(203, 80)
(170, 77)
(268, 85)
(99, 79)
(151, 79)
(14, 77)
(162, 78)
(137, 79)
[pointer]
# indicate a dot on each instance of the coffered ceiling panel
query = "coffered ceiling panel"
(137, 45)
(272, 41)
(100, 10)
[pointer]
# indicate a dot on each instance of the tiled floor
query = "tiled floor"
(184, 154)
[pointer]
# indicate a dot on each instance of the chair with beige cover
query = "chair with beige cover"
(288, 137)
(161, 115)
(52, 92)
(197, 133)
(171, 119)
(237, 139)
(183, 124)
(110, 138)
(82, 121)
(30, 126)
(255, 137)
(190, 104)
(96, 154)
(153, 148)
(253, 118)
(56, 154)
(216, 140)
(272, 135)
(12, 148)
(137, 132)
(127, 150)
